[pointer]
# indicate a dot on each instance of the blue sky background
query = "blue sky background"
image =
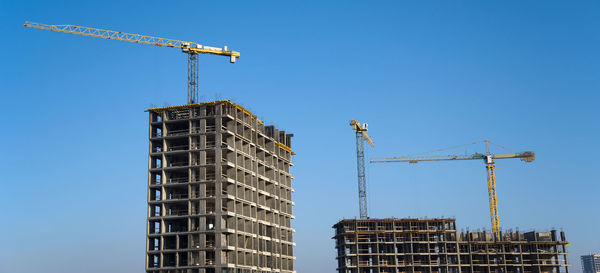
(423, 74)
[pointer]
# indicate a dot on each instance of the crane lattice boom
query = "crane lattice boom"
(525, 156)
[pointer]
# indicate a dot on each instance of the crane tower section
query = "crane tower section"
(361, 137)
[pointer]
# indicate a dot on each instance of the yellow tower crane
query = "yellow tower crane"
(361, 137)
(489, 160)
(191, 48)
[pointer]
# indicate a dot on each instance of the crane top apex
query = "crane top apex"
(359, 127)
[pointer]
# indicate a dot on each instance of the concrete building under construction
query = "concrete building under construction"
(434, 246)
(219, 192)
(590, 263)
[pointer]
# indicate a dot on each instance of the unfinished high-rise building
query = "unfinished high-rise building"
(590, 263)
(219, 192)
(434, 246)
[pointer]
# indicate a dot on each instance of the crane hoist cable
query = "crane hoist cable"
(192, 49)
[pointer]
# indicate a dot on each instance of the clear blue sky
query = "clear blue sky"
(423, 74)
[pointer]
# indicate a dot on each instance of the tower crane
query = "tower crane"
(191, 48)
(490, 165)
(361, 137)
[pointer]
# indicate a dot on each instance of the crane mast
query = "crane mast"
(490, 165)
(191, 48)
(362, 181)
(493, 199)
(192, 86)
(361, 137)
